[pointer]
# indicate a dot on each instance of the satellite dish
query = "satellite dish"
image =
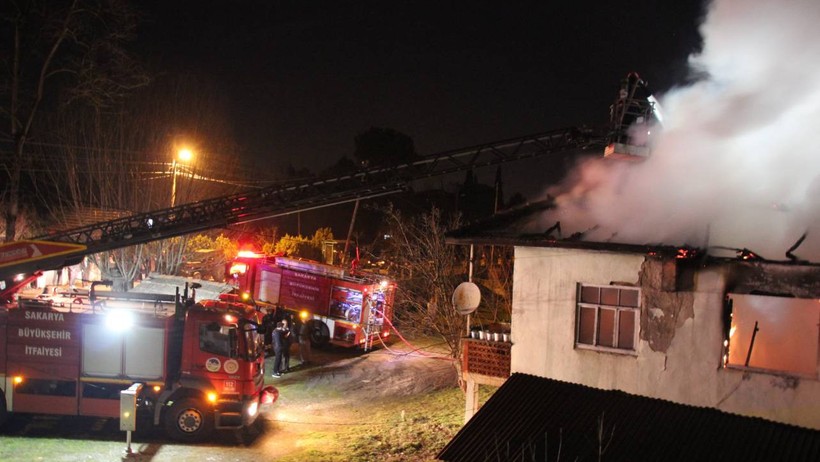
(466, 298)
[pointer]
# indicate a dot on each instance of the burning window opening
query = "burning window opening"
(771, 334)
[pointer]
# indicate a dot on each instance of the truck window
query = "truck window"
(254, 343)
(215, 339)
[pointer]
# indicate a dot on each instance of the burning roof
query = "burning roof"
(539, 224)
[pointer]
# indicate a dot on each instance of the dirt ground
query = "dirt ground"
(342, 392)
(324, 407)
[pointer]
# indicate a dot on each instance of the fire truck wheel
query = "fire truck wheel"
(319, 334)
(188, 420)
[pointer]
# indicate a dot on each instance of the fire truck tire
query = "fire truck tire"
(319, 334)
(189, 420)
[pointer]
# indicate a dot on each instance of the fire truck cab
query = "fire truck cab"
(201, 364)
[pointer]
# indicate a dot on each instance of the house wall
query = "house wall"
(678, 355)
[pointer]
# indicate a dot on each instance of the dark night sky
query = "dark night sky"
(304, 77)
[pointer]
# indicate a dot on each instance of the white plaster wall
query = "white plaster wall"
(543, 335)
(543, 315)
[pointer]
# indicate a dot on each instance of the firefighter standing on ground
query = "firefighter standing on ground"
(268, 326)
(278, 342)
(304, 343)
(287, 340)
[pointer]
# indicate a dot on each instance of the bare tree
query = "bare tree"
(58, 52)
(95, 171)
(104, 165)
(494, 277)
(427, 272)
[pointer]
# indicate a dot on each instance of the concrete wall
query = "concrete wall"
(680, 348)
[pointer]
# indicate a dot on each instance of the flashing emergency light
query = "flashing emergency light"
(157, 388)
(119, 320)
(246, 296)
(212, 397)
(248, 254)
(303, 315)
(383, 284)
(230, 318)
(18, 379)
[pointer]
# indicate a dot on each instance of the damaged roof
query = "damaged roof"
(542, 224)
(529, 225)
(535, 418)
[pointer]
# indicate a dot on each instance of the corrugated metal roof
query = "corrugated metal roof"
(537, 419)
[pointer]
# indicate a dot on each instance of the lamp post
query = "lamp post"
(184, 155)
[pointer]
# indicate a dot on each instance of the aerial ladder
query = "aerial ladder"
(288, 198)
(634, 111)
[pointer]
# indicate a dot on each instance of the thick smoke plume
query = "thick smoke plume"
(738, 161)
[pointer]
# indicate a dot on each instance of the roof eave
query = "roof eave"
(540, 241)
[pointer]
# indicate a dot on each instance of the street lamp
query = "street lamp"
(184, 155)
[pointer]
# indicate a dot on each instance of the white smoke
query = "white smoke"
(738, 161)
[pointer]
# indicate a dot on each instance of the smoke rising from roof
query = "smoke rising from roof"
(737, 163)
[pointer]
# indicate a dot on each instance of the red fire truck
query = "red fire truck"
(340, 308)
(201, 365)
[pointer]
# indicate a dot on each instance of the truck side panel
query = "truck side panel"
(76, 363)
(305, 291)
(266, 283)
(114, 356)
(44, 348)
(145, 353)
(102, 351)
(135, 354)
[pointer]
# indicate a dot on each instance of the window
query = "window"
(215, 339)
(254, 342)
(777, 334)
(607, 318)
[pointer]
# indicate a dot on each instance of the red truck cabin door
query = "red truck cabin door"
(210, 344)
